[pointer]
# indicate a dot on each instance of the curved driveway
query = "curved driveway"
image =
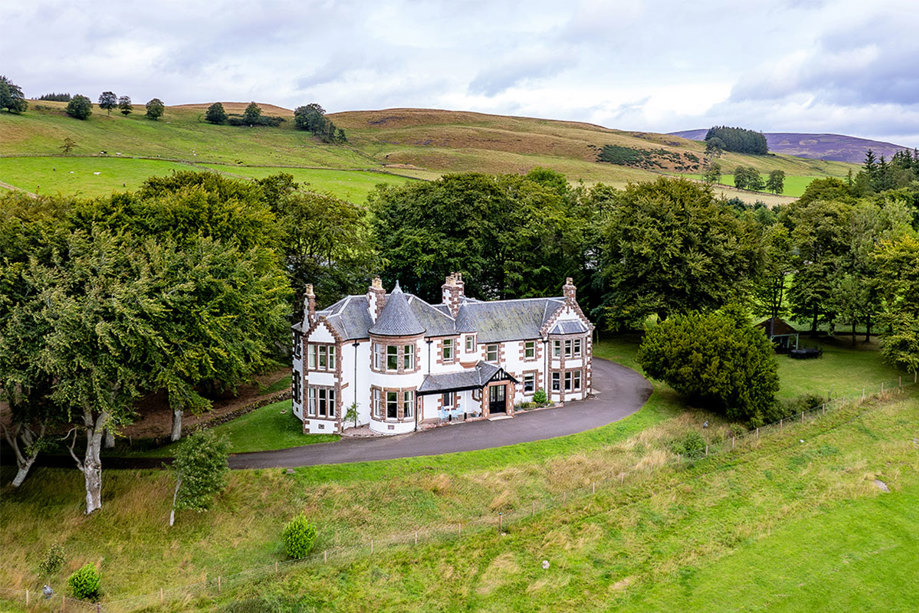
(618, 392)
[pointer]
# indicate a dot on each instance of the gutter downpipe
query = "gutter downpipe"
(429, 342)
(355, 344)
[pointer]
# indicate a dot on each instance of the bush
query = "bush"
(716, 359)
(201, 469)
(691, 445)
(85, 583)
(53, 561)
(299, 537)
(540, 397)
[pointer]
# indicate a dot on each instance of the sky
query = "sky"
(840, 66)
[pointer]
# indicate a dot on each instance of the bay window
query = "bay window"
(392, 405)
(392, 357)
(408, 404)
(320, 357)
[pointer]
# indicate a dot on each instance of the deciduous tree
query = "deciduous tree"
(215, 114)
(79, 107)
(670, 247)
(898, 275)
(124, 103)
(776, 181)
(201, 471)
(108, 101)
(155, 109)
(11, 97)
(252, 113)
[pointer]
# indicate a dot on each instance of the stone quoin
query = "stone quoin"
(405, 363)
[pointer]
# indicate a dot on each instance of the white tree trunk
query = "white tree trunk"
(109, 438)
(91, 466)
(176, 425)
(175, 496)
(23, 471)
(25, 457)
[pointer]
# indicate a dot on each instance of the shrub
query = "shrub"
(691, 445)
(299, 537)
(716, 359)
(201, 469)
(540, 397)
(85, 583)
(53, 561)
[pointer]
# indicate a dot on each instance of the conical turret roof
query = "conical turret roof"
(397, 318)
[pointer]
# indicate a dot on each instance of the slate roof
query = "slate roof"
(568, 327)
(397, 317)
(408, 315)
(506, 320)
(476, 378)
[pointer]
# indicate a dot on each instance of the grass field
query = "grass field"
(645, 534)
(415, 142)
(353, 185)
(794, 184)
(78, 175)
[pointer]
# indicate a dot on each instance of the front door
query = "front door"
(496, 400)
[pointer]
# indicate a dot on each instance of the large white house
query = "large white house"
(405, 362)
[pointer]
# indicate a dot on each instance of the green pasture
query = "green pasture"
(352, 185)
(794, 184)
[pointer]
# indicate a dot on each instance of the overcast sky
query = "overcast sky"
(844, 66)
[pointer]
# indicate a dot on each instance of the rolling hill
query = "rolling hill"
(830, 147)
(391, 146)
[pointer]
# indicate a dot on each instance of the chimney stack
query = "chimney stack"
(376, 298)
(309, 305)
(453, 291)
(570, 292)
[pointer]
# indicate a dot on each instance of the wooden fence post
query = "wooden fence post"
(275, 567)
(802, 416)
(782, 424)
(757, 431)
(706, 450)
(371, 546)
(218, 584)
(732, 442)
(416, 537)
(27, 596)
(500, 517)
(533, 509)
(161, 595)
(325, 556)
(593, 488)
(63, 602)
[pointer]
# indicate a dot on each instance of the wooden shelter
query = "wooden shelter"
(781, 333)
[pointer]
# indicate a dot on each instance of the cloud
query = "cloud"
(777, 65)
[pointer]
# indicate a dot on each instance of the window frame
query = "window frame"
(408, 404)
(556, 381)
(376, 410)
(568, 378)
(529, 350)
(311, 401)
(576, 347)
(392, 358)
(452, 402)
(529, 378)
(556, 348)
(576, 381)
(394, 401)
(470, 343)
(447, 350)
(488, 352)
(408, 357)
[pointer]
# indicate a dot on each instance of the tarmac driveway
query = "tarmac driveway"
(618, 392)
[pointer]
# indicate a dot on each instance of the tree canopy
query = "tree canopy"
(11, 97)
(215, 114)
(155, 109)
(738, 140)
(79, 107)
(108, 101)
(669, 247)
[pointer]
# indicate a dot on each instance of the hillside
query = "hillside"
(830, 147)
(412, 143)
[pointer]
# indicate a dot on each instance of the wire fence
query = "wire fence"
(176, 596)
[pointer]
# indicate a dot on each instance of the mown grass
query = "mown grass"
(794, 184)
